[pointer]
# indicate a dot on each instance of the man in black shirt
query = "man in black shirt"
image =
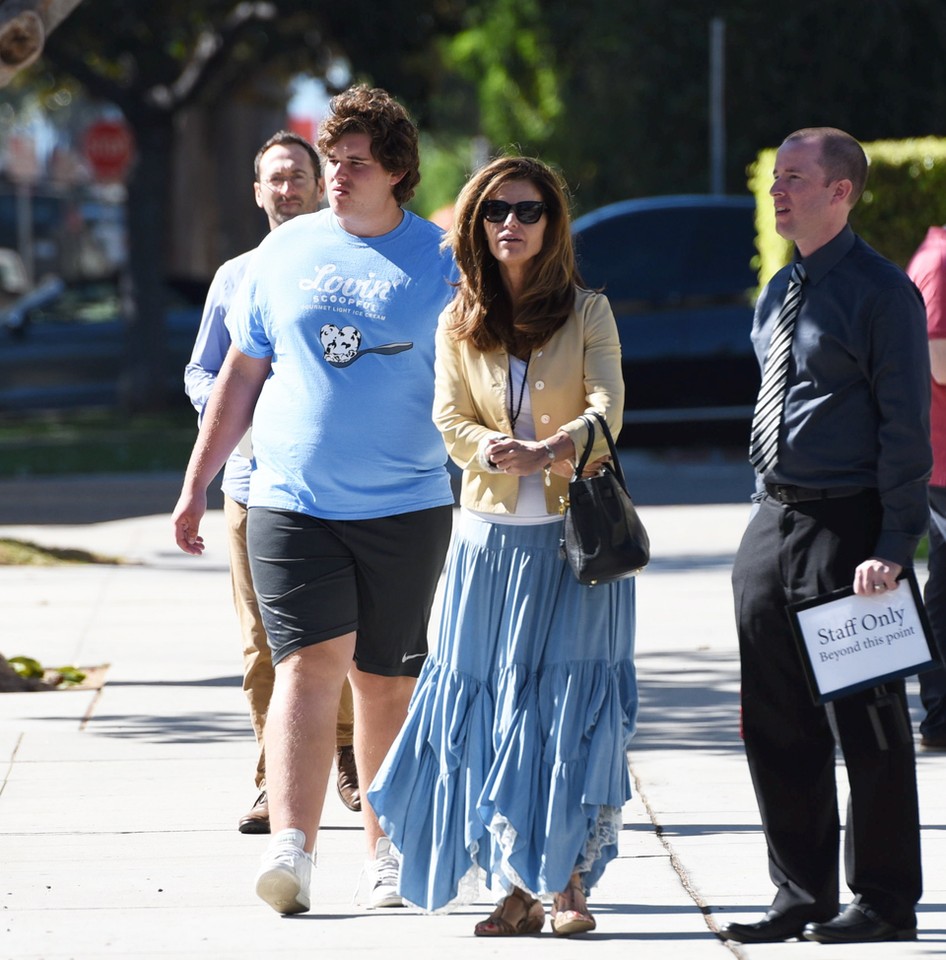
(841, 500)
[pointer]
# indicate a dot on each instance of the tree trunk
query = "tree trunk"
(215, 144)
(143, 382)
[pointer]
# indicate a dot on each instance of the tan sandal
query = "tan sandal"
(498, 924)
(570, 912)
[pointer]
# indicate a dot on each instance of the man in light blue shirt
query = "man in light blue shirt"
(350, 503)
(287, 183)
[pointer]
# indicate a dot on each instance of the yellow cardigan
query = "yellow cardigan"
(576, 372)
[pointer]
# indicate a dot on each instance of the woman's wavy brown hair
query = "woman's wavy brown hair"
(482, 311)
(371, 110)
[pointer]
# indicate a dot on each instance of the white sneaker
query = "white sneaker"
(383, 874)
(284, 873)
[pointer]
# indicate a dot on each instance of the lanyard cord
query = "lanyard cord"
(514, 413)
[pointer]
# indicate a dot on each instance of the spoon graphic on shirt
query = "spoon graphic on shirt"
(342, 345)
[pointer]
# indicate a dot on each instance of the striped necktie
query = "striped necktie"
(763, 446)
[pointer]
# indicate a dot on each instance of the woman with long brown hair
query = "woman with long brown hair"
(512, 760)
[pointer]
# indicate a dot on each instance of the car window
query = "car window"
(651, 256)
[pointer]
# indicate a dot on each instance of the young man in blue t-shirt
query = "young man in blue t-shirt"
(287, 183)
(350, 503)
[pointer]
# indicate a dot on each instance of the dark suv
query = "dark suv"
(678, 273)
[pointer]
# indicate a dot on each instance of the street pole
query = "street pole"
(24, 228)
(717, 105)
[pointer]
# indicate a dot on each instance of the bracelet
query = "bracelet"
(548, 467)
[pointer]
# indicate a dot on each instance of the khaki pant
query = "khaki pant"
(257, 664)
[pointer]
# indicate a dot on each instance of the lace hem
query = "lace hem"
(607, 828)
(468, 889)
(606, 832)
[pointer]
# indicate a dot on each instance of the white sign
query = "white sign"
(849, 642)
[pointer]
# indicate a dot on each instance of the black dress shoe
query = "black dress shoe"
(257, 820)
(774, 927)
(937, 742)
(857, 924)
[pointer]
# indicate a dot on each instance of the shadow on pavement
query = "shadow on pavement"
(210, 727)
(233, 681)
(691, 704)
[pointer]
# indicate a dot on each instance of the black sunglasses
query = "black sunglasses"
(526, 211)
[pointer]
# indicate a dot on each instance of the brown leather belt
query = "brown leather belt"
(786, 493)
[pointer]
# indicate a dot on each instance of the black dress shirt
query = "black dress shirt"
(858, 393)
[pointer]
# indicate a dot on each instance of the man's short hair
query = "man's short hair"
(842, 157)
(373, 111)
(284, 138)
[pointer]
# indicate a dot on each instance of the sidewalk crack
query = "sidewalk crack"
(10, 762)
(680, 870)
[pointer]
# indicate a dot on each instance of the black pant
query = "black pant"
(790, 553)
(933, 682)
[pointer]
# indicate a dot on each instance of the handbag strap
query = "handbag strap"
(615, 465)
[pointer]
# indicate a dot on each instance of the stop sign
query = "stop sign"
(108, 148)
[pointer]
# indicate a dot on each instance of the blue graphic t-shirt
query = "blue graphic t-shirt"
(343, 428)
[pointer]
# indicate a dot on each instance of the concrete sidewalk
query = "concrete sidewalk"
(118, 807)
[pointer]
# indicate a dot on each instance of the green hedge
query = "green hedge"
(906, 193)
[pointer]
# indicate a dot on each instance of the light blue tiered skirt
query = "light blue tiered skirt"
(512, 759)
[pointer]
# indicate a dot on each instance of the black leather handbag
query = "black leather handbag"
(603, 538)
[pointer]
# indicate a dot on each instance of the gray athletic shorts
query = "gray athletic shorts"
(318, 579)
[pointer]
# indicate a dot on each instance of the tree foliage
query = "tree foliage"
(504, 51)
(629, 82)
(155, 60)
(162, 56)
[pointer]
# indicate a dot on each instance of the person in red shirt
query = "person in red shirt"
(927, 270)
